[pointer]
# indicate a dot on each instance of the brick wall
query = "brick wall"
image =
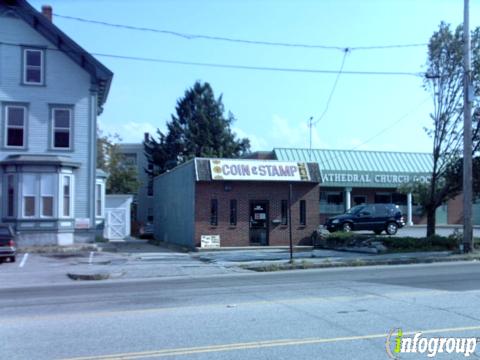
(455, 210)
(244, 192)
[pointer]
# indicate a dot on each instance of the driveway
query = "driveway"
(133, 259)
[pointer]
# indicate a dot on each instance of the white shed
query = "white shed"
(117, 216)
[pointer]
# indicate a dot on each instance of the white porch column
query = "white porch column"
(409, 209)
(348, 198)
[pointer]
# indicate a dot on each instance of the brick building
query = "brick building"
(239, 202)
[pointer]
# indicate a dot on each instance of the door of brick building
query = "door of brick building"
(259, 223)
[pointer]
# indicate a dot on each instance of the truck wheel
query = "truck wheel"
(347, 227)
(392, 228)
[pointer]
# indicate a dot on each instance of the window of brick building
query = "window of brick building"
(233, 212)
(284, 212)
(303, 212)
(214, 212)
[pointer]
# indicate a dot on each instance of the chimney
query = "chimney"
(146, 137)
(47, 11)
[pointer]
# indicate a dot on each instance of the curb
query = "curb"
(355, 263)
(94, 276)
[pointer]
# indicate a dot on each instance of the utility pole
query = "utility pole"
(290, 221)
(467, 135)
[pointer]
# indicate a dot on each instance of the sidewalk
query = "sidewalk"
(136, 260)
(115, 261)
(272, 260)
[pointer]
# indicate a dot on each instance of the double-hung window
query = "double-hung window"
(47, 190)
(61, 128)
(29, 192)
(15, 126)
(66, 192)
(99, 199)
(33, 66)
(11, 195)
(38, 199)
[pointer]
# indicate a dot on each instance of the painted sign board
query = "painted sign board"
(210, 241)
(82, 223)
(228, 169)
(371, 179)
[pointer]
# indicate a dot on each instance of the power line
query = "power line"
(235, 66)
(401, 118)
(404, 116)
(333, 90)
(261, 68)
(189, 36)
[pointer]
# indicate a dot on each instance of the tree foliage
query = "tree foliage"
(444, 80)
(122, 177)
(198, 129)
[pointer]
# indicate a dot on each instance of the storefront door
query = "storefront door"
(259, 223)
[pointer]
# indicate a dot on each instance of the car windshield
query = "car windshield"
(355, 210)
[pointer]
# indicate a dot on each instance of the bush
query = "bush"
(393, 244)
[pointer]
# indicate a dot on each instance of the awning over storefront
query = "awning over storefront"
(368, 169)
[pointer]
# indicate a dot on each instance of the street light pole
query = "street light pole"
(467, 135)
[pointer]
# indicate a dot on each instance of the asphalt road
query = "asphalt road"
(305, 314)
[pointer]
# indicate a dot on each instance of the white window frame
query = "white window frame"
(15, 197)
(53, 127)
(26, 66)
(34, 194)
(52, 195)
(60, 196)
(7, 126)
(102, 199)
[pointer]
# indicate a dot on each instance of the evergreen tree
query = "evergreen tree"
(198, 129)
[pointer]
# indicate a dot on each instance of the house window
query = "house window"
(66, 194)
(284, 212)
(47, 190)
(150, 215)
(233, 212)
(130, 159)
(15, 126)
(10, 195)
(214, 212)
(150, 187)
(62, 128)
(99, 199)
(303, 212)
(33, 66)
(29, 185)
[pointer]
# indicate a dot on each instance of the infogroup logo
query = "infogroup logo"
(397, 343)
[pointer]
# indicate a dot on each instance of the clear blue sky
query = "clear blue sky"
(272, 108)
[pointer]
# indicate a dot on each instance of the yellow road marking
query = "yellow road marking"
(257, 345)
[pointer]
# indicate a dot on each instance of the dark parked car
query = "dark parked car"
(7, 243)
(375, 217)
(146, 231)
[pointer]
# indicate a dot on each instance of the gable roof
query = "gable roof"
(360, 160)
(101, 75)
